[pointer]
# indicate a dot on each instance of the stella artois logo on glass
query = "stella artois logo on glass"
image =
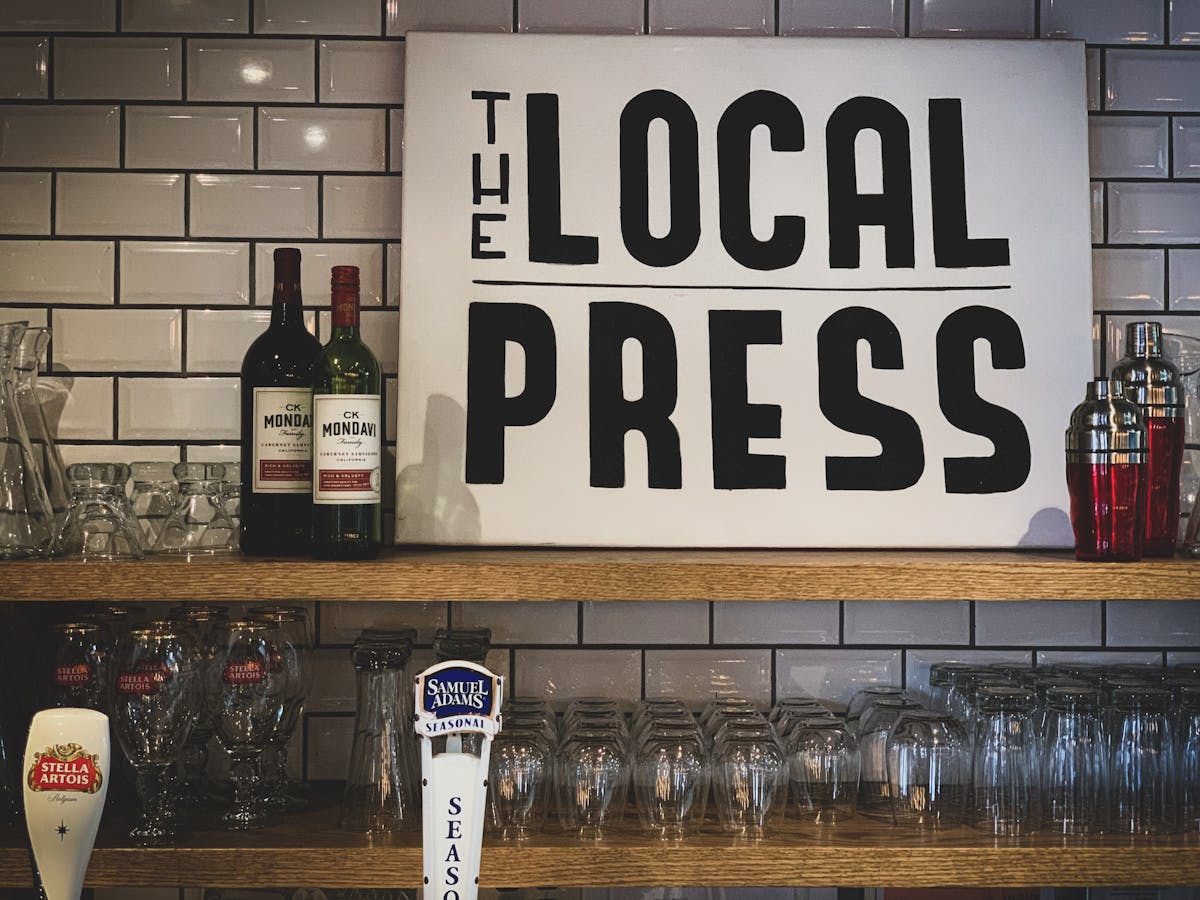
(143, 680)
(248, 672)
(67, 676)
(65, 767)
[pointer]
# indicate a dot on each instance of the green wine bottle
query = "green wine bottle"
(347, 433)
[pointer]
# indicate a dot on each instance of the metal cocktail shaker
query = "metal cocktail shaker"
(1155, 386)
(1107, 474)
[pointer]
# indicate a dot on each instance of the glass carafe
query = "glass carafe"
(381, 789)
(28, 362)
(26, 517)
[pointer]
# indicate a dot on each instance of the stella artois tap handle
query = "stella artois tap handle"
(455, 699)
(67, 763)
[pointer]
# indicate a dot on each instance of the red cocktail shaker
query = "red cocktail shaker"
(1155, 386)
(1106, 475)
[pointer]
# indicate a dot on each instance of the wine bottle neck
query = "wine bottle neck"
(287, 304)
(344, 313)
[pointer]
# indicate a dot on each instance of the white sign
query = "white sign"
(741, 292)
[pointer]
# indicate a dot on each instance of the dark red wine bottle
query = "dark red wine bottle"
(277, 423)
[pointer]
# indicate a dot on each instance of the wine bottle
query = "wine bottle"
(277, 423)
(347, 425)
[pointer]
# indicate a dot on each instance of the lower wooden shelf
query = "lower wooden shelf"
(309, 850)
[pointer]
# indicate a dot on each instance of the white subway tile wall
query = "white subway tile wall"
(24, 65)
(1128, 279)
(120, 203)
(107, 68)
(215, 16)
(1104, 21)
(971, 18)
(1128, 147)
(60, 135)
(645, 623)
(903, 622)
(300, 137)
(856, 18)
(185, 273)
(25, 202)
(78, 408)
(316, 17)
(153, 156)
(189, 137)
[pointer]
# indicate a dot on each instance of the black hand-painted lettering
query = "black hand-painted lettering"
(848, 209)
(611, 414)
(489, 411)
(902, 456)
(478, 190)
(491, 97)
(547, 243)
(684, 233)
(786, 127)
(734, 419)
(1008, 467)
(479, 239)
(952, 249)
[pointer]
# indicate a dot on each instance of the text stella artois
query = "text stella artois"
(65, 767)
(248, 672)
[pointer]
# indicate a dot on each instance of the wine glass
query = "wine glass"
(153, 699)
(295, 654)
(252, 685)
(77, 676)
(201, 621)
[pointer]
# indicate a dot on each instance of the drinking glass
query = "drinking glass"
(941, 679)
(1004, 773)
(824, 767)
(750, 783)
(231, 493)
(78, 676)
(519, 780)
(381, 785)
(295, 654)
(152, 705)
(670, 775)
(1189, 758)
(866, 697)
(874, 728)
(927, 763)
(593, 781)
(1143, 762)
(155, 496)
(1072, 778)
(198, 525)
(96, 525)
(250, 698)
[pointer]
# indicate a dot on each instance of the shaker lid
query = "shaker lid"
(1106, 422)
(1149, 379)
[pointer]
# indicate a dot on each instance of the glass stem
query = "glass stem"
(245, 774)
(152, 791)
(281, 759)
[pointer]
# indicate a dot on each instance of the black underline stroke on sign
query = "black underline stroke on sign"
(495, 282)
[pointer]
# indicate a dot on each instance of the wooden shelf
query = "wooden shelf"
(309, 850)
(527, 574)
